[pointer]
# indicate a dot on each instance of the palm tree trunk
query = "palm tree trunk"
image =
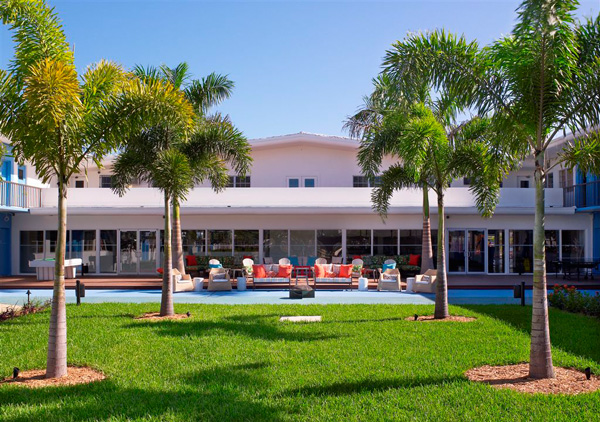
(540, 358)
(426, 248)
(166, 302)
(441, 294)
(178, 261)
(56, 363)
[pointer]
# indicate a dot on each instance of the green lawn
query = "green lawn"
(363, 362)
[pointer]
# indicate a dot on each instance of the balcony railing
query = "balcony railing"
(16, 195)
(583, 195)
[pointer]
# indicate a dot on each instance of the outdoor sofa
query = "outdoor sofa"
(333, 274)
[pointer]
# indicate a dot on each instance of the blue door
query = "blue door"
(4, 251)
(6, 175)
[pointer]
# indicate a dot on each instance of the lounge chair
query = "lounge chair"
(219, 279)
(390, 280)
(425, 283)
(181, 282)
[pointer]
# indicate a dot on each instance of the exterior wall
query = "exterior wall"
(5, 241)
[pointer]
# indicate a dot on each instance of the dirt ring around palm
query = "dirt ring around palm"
(451, 318)
(516, 377)
(155, 316)
(36, 378)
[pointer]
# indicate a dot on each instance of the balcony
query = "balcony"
(19, 197)
(585, 195)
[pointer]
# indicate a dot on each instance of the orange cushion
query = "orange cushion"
(345, 271)
(191, 260)
(258, 271)
(319, 271)
(414, 259)
(285, 271)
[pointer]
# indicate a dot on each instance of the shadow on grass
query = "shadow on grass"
(370, 386)
(212, 395)
(573, 333)
(261, 327)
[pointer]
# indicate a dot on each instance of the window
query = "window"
(524, 184)
(549, 181)
(520, 251)
(385, 242)
(411, 242)
(238, 182)
(31, 247)
(309, 182)
(358, 243)
(551, 242)
(573, 244)
(21, 172)
(108, 251)
(83, 245)
(219, 243)
(79, 184)
(495, 251)
(192, 241)
(365, 182)
(565, 178)
(275, 244)
(106, 182)
(329, 243)
(293, 182)
(306, 182)
(246, 243)
(466, 181)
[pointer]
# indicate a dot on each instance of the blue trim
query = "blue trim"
(5, 255)
(596, 238)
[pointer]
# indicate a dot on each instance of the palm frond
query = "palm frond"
(209, 91)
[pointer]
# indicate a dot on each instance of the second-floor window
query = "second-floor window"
(239, 182)
(364, 182)
(549, 180)
(106, 182)
(305, 182)
(565, 178)
(79, 184)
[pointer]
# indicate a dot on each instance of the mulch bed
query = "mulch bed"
(155, 316)
(36, 378)
(454, 318)
(516, 377)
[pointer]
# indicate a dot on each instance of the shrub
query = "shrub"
(572, 300)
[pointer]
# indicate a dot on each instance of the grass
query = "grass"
(363, 362)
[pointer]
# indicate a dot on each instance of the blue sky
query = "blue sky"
(298, 66)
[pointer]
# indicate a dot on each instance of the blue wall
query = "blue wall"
(5, 252)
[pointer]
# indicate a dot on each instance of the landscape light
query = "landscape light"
(16, 372)
(588, 372)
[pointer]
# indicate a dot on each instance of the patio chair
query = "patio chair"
(284, 261)
(425, 283)
(218, 279)
(214, 263)
(268, 260)
(181, 282)
(320, 261)
(357, 266)
(336, 259)
(388, 264)
(390, 280)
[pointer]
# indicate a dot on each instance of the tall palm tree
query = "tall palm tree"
(218, 143)
(428, 150)
(382, 100)
(57, 123)
(536, 83)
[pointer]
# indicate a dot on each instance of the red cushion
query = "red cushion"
(319, 271)
(414, 259)
(160, 270)
(258, 271)
(345, 271)
(285, 271)
(191, 260)
(357, 257)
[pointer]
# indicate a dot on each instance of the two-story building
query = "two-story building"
(304, 196)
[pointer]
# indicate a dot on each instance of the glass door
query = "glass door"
(147, 252)
(476, 248)
(456, 251)
(129, 252)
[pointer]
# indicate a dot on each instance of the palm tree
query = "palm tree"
(175, 161)
(383, 99)
(535, 84)
(218, 143)
(427, 149)
(56, 123)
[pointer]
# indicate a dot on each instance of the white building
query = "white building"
(304, 196)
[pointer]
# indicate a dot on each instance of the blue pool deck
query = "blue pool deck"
(250, 297)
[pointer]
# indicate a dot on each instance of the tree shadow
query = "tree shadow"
(371, 386)
(573, 333)
(217, 394)
(260, 327)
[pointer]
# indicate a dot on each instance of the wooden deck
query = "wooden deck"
(153, 283)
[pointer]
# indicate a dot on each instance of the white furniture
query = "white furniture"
(363, 284)
(426, 283)
(45, 268)
(410, 283)
(198, 283)
(241, 283)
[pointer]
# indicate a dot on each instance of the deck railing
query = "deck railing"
(17, 195)
(583, 195)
